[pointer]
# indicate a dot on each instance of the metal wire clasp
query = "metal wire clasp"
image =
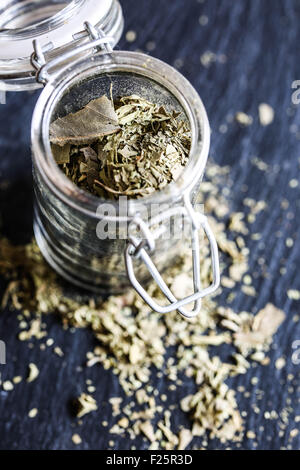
(138, 247)
(97, 40)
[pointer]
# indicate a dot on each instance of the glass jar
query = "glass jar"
(68, 222)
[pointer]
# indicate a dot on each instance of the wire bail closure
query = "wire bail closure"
(98, 40)
(137, 247)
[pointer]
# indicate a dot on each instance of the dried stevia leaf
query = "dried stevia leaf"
(96, 119)
(85, 404)
(185, 437)
(147, 430)
(61, 154)
(92, 165)
(33, 372)
(263, 326)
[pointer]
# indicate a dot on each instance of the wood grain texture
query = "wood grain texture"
(260, 41)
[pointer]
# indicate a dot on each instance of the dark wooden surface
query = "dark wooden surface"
(261, 41)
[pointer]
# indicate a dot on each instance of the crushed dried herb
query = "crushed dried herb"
(131, 147)
(134, 342)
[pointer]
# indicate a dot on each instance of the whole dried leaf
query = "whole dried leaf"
(96, 119)
(264, 326)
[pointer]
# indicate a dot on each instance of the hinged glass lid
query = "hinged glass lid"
(55, 24)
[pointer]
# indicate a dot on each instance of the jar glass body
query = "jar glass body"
(66, 218)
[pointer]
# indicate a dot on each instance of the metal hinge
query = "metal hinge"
(98, 40)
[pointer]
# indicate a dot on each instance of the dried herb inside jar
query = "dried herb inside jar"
(131, 147)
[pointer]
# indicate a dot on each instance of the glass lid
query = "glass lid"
(56, 25)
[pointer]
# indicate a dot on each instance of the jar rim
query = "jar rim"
(42, 26)
(120, 61)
